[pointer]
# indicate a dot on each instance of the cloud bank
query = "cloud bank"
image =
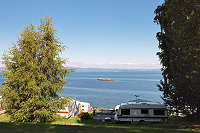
(114, 65)
(109, 65)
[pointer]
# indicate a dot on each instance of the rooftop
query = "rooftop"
(139, 101)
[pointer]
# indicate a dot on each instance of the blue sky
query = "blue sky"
(99, 33)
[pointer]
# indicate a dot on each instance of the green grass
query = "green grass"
(174, 125)
(4, 118)
(71, 121)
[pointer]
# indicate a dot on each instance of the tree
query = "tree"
(35, 73)
(179, 42)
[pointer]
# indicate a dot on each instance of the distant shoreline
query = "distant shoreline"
(79, 69)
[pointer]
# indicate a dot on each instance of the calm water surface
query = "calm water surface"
(84, 86)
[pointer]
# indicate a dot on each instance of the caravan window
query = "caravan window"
(159, 112)
(144, 111)
(125, 111)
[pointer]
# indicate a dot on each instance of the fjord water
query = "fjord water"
(84, 86)
(104, 94)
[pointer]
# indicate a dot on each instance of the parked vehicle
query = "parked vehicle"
(141, 111)
(76, 108)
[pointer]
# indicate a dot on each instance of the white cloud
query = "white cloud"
(130, 65)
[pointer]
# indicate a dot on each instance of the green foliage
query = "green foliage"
(179, 42)
(94, 107)
(35, 73)
(84, 116)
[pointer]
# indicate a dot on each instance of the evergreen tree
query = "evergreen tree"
(179, 42)
(35, 74)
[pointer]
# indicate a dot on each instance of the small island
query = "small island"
(105, 79)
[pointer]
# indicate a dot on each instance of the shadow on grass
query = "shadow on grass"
(174, 125)
(10, 127)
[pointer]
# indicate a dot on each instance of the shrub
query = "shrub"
(84, 116)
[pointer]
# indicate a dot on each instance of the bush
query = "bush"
(84, 116)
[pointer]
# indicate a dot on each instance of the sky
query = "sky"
(98, 33)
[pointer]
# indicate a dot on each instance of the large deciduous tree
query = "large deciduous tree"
(35, 74)
(179, 42)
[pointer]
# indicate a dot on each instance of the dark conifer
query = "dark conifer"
(179, 42)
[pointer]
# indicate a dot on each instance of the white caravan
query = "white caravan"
(83, 106)
(141, 111)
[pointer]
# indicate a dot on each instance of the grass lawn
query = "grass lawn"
(73, 125)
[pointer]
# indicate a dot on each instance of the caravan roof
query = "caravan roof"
(139, 101)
